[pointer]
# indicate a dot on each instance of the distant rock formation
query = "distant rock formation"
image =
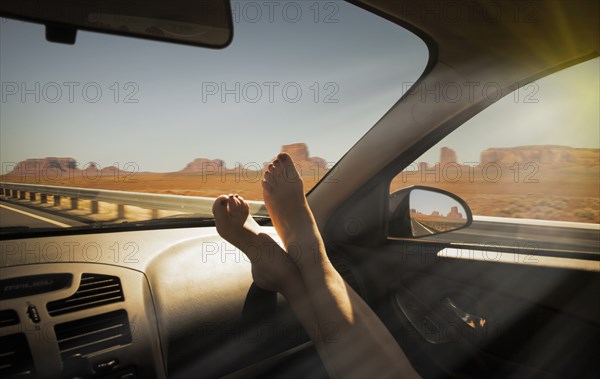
(46, 168)
(33, 166)
(298, 152)
(557, 156)
(447, 155)
(54, 168)
(454, 213)
(300, 155)
(199, 165)
(541, 154)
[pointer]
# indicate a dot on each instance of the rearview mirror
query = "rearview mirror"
(424, 211)
(205, 23)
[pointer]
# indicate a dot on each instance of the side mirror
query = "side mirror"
(420, 211)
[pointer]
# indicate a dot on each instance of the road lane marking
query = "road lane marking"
(36, 216)
(430, 231)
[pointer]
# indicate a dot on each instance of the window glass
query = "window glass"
(118, 113)
(532, 155)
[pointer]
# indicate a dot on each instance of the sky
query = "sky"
(323, 77)
(560, 109)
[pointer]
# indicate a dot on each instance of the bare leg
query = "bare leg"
(361, 346)
(272, 269)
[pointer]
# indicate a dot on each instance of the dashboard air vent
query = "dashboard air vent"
(92, 334)
(95, 290)
(15, 357)
(8, 317)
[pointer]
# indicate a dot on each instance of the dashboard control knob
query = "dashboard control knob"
(33, 314)
(106, 366)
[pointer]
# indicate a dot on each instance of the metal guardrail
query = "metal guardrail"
(203, 205)
(185, 204)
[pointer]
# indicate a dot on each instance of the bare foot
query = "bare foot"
(272, 269)
(233, 221)
(283, 192)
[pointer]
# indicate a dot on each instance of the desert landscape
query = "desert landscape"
(539, 182)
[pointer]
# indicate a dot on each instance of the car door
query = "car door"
(515, 294)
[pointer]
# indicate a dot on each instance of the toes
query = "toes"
(268, 177)
(242, 201)
(238, 203)
(243, 205)
(237, 207)
(281, 169)
(265, 185)
(285, 158)
(231, 205)
(220, 206)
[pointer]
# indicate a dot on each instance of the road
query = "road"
(528, 238)
(14, 215)
(419, 229)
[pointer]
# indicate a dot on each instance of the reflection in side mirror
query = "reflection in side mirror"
(433, 213)
(422, 211)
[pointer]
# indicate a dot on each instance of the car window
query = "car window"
(116, 113)
(534, 154)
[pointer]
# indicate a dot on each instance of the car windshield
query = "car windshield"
(92, 132)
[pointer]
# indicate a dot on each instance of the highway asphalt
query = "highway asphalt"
(14, 215)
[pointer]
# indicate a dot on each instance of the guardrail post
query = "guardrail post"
(43, 198)
(31, 196)
(56, 200)
(22, 195)
(120, 211)
(94, 206)
(154, 213)
(74, 203)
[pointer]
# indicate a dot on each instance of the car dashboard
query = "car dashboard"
(100, 305)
